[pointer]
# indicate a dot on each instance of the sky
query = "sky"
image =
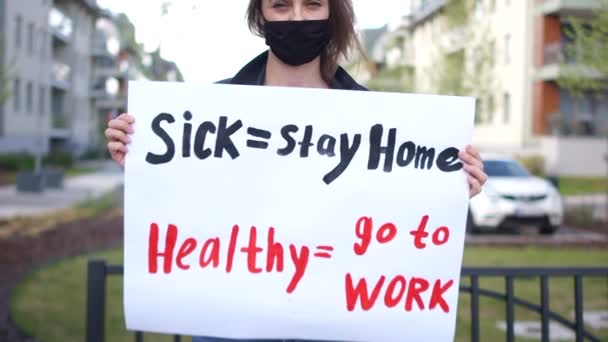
(209, 40)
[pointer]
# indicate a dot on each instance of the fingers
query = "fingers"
(476, 172)
(471, 158)
(126, 117)
(473, 151)
(117, 135)
(474, 186)
(117, 147)
(121, 125)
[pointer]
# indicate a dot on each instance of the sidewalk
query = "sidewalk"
(76, 189)
(596, 203)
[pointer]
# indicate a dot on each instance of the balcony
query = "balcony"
(60, 25)
(111, 103)
(61, 76)
(104, 100)
(426, 9)
(60, 126)
(566, 7)
(99, 46)
(104, 71)
(577, 125)
(557, 62)
(454, 39)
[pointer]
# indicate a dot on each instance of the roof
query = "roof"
(370, 37)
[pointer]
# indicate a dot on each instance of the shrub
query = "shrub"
(535, 164)
(59, 159)
(16, 162)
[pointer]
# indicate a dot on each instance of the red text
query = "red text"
(398, 291)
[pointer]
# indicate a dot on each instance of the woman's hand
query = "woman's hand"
(473, 165)
(118, 132)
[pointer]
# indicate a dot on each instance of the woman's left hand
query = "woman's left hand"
(473, 165)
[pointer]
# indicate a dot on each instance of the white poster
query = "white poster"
(275, 213)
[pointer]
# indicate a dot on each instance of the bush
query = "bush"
(16, 162)
(59, 159)
(534, 164)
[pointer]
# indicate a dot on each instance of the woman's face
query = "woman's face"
(284, 10)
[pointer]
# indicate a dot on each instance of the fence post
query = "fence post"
(96, 297)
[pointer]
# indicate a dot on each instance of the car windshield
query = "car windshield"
(499, 168)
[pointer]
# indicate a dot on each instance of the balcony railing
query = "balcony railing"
(61, 75)
(99, 46)
(454, 39)
(60, 24)
(557, 53)
(567, 7)
(577, 125)
(59, 121)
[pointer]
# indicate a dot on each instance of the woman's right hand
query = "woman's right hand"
(118, 132)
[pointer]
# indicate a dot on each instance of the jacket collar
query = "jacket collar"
(254, 74)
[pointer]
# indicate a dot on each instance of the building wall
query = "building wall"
(510, 28)
(79, 105)
(509, 125)
(575, 156)
(25, 126)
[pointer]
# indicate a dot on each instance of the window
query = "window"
(18, 24)
(479, 9)
(43, 41)
(17, 95)
(30, 39)
(492, 53)
(478, 111)
(491, 108)
(507, 47)
(490, 113)
(506, 108)
(41, 100)
(29, 97)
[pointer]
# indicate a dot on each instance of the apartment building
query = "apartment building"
(56, 53)
(509, 55)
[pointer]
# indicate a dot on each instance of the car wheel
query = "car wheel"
(548, 229)
(471, 226)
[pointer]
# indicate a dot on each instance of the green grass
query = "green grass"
(79, 170)
(50, 303)
(583, 185)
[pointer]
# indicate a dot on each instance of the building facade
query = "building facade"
(56, 55)
(508, 55)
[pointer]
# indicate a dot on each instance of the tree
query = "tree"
(588, 48)
(5, 79)
(466, 71)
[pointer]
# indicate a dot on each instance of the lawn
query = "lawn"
(50, 303)
(583, 185)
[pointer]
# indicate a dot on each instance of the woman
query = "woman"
(306, 40)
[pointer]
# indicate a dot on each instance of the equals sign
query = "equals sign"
(260, 134)
(324, 254)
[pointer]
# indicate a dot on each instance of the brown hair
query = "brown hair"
(342, 34)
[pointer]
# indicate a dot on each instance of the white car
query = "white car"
(514, 198)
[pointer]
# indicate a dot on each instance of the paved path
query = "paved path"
(565, 236)
(597, 204)
(76, 189)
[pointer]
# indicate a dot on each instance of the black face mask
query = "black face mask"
(297, 42)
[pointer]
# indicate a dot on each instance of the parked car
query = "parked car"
(513, 198)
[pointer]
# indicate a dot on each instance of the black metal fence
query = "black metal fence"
(98, 270)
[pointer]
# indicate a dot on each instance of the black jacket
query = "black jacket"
(254, 73)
